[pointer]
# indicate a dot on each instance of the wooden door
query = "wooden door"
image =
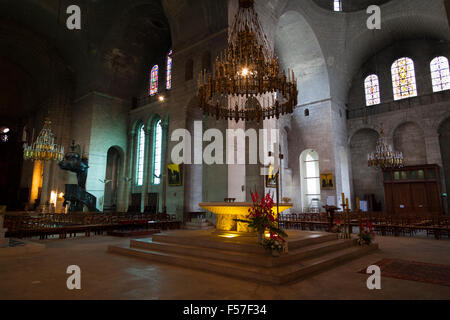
(434, 198)
(419, 198)
(402, 198)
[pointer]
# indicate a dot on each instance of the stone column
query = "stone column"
(46, 188)
(165, 151)
(147, 169)
(434, 156)
(3, 241)
(129, 172)
(433, 149)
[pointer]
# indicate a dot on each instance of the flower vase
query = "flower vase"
(275, 253)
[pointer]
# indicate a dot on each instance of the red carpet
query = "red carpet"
(414, 271)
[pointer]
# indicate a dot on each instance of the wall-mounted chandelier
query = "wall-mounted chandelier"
(247, 82)
(44, 148)
(384, 156)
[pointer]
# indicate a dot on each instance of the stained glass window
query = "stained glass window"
(169, 71)
(404, 79)
(140, 156)
(440, 74)
(157, 154)
(337, 5)
(372, 87)
(154, 80)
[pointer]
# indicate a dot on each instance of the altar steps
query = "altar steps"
(245, 260)
(262, 260)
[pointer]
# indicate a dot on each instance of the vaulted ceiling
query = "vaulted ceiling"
(117, 41)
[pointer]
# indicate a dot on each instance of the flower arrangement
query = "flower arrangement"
(366, 234)
(274, 243)
(262, 218)
(337, 228)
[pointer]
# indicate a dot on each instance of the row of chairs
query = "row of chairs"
(23, 226)
(383, 223)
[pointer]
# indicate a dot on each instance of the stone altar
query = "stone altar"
(226, 212)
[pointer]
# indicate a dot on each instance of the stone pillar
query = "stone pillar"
(165, 150)
(147, 168)
(129, 172)
(433, 149)
(434, 156)
(3, 241)
(46, 187)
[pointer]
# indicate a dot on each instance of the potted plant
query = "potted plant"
(366, 234)
(337, 228)
(261, 216)
(275, 244)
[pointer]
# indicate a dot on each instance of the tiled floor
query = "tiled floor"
(109, 276)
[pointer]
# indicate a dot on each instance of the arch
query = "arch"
(372, 87)
(409, 138)
(440, 74)
(404, 78)
(309, 179)
(114, 167)
(292, 33)
(367, 183)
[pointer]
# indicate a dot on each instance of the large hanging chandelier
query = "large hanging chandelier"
(44, 148)
(247, 82)
(384, 157)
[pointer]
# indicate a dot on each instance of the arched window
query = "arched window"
(140, 156)
(169, 71)
(310, 179)
(337, 5)
(372, 87)
(306, 112)
(154, 80)
(157, 153)
(440, 74)
(404, 79)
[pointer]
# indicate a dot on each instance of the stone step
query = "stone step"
(261, 258)
(278, 275)
(298, 271)
(240, 246)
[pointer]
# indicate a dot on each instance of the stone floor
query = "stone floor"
(108, 276)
